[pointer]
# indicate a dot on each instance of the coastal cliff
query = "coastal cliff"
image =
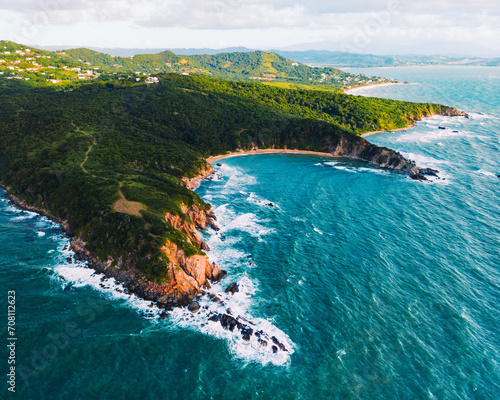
(187, 274)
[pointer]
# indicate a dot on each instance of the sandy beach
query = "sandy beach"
(194, 183)
(265, 151)
(391, 130)
(354, 90)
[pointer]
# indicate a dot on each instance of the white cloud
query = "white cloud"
(254, 23)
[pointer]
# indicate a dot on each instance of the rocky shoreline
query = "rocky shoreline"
(162, 296)
(191, 277)
(190, 274)
(130, 278)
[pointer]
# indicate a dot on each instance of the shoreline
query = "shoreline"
(194, 183)
(413, 125)
(348, 91)
(266, 151)
(129, 279)
(392, 130)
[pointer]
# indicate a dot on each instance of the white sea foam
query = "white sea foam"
(317, 230)
(237, 305)
(76, 275)
(346, 168)
(354, 169)
(225, 251)
(430, 136)
(24, 215)
(424, 161)
(40, 234)
(373, 170)
(485, 173)
(258, 200)
(248, 222)
(235, 179)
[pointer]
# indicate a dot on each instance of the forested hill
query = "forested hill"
(257, 65)
(77, 152)
(79, 66)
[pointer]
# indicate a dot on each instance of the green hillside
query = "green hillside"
(76, 152)
(78, 66)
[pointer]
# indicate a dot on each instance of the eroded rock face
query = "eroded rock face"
(190, 274)
(204, 172)
(187, 274)
(453, 112)
(196, 219)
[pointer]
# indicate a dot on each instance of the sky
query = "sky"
(457, 27)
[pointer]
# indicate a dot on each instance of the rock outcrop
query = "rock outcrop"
(193, 183)
(196, 218)
(453, 112)
(360, 149)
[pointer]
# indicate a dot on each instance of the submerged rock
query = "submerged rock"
(230, 323)
(232, 288)
(246, 332)
(194, 306)
(163, 315)
(278, 343)
(418, 176)
(429, 171)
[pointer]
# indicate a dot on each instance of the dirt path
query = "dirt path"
(87, 156)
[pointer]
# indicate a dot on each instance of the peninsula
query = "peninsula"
(113, 162)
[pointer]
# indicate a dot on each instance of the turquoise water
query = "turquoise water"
(381, 287)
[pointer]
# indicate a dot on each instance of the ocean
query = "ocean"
(380, 287)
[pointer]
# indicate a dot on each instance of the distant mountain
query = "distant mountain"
(124, 52)
(312, 57)
(192, 51)
(342, 59)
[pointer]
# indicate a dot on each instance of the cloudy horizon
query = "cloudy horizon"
(460, 27)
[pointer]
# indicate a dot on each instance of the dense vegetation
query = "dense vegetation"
(80, 65)
(76, 152)
(257, 65)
